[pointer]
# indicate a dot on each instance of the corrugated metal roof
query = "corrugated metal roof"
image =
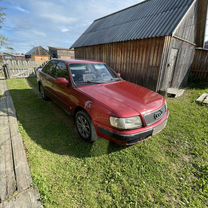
(151, 18)
(38, 51)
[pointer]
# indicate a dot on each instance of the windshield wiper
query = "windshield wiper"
(111, 80)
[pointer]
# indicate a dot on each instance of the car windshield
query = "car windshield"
(83, 74)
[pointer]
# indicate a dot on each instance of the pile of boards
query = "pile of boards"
(203, 99)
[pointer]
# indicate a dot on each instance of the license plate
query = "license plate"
(159, 128)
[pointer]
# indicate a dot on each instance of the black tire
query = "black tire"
(42, 92)
(85, 127)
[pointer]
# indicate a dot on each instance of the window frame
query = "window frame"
(50, 62)
(67, 70)
(55, 64)
(76, 85)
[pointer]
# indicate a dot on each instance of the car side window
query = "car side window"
(50, 68)
(61, 70)
(47, 68)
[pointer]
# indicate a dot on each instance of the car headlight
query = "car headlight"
(126, 123)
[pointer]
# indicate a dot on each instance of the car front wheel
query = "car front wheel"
(85, 126)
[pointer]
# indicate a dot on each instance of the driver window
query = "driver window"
(50, 68)
(61, 70)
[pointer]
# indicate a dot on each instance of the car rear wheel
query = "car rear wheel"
(85, 126)
(42, 92)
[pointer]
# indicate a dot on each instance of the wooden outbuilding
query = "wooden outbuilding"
(61, 53)
(199, 68)
(12, 56)
(38, 54)
(151, 43)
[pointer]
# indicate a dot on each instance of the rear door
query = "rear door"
(48, 77)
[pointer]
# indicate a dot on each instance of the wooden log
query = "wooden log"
(7, 175)
(16, 188)
(202, 98)
(23, 176)
(26, 199)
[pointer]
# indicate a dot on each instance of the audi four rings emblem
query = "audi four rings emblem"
(158, 115)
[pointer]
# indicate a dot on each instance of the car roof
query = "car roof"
(77, 61)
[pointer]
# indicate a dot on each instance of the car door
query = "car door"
(63, 93)
(47, 77)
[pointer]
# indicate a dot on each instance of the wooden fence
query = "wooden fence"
(19, 69)
(199, 68)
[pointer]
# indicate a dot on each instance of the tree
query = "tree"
(3, 40)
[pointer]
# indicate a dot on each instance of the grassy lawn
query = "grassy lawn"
(170, 170)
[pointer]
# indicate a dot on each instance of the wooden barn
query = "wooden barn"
(199, 68)
(38, 54)
(62, 53)
(151, 43)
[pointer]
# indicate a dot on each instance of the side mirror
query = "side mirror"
(62, 81)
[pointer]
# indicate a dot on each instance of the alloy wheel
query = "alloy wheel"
(83, 127)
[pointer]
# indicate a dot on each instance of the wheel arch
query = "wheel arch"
(93, 135)
(79, 108)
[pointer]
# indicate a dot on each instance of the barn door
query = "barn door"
(171, 66)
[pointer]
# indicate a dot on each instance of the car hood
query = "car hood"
(124, 98)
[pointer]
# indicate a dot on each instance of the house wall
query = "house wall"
(182, 67)
(61, 53)
(137, 61)
(65, 54)
(183, 39)
(201, 22)
(199, 68)
(40, 59)
(187, 29)
(53, 52)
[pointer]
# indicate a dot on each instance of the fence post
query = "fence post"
(6, 71)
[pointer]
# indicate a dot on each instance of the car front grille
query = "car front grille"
(156, 116)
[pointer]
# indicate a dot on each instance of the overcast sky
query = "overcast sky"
(55, 23)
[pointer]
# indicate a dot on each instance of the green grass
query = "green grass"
(170, 170)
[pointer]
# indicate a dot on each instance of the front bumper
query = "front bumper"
(126, 140)
(131, 139)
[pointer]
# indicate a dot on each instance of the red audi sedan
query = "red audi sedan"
(102, 103)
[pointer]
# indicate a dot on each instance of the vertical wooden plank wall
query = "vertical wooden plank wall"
(183, 63)
(199, 68)
(161, 83)
(138, 61)
(187, 29)
(201, 22)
